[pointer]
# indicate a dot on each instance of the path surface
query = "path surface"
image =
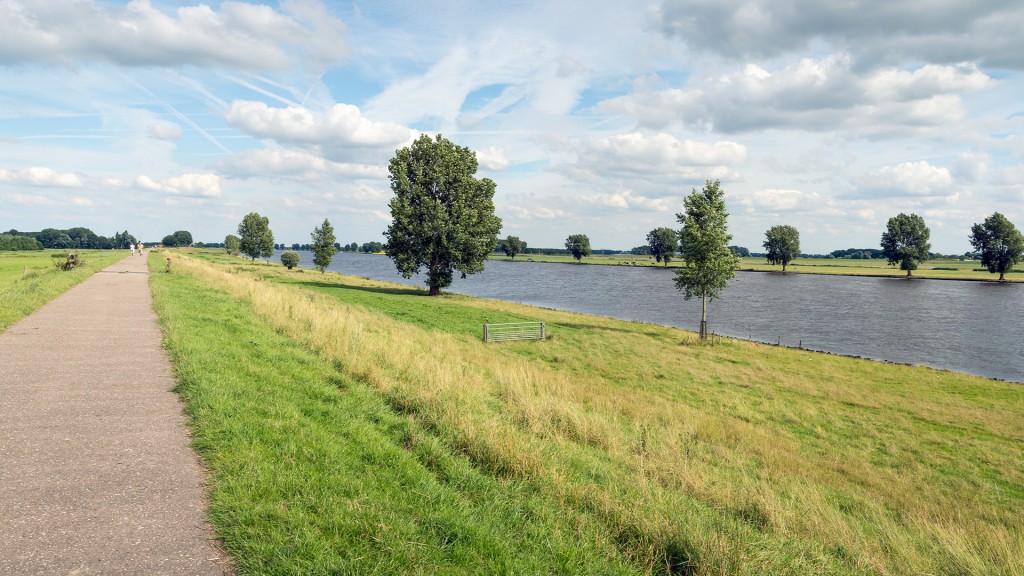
(96, 472)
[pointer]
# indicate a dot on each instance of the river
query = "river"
(972, 327)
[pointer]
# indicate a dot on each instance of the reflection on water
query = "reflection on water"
(973, 327)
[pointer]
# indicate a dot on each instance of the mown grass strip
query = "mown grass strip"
(29, 279)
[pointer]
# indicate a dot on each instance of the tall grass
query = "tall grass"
(733, 459)
(29, 279)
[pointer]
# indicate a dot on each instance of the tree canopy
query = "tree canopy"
(708, 264)
(256, 238)
(442, 216)
(323, 245)
(512, 246)
(782, 244)
(905, 241)
(999, 243)
(232, 244)
(578, 245)
(179, 238)
(664, 243)
(290, 259)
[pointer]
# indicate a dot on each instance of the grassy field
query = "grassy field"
(29, 279)
(946, 269)
(353, 426)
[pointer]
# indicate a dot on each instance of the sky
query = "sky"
(593, 117)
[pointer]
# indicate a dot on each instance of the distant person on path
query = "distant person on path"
(140, 248)
(132, 247)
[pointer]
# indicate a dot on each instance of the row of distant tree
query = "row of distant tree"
(71, 238)
(81, 239)
(365, 247)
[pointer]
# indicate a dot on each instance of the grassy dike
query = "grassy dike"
(352, 426)
(29, 279)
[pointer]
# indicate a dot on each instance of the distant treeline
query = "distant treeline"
(365, 247)
(64, 239)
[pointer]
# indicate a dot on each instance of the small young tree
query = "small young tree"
(664, 243)
(708, 264)
(513, 246)
(782, 244)
(442, 216)
(905, 241)
(232, 244)
(290, 258)
(257, 241)
(578, 245)
(323, 245)
(999, 243)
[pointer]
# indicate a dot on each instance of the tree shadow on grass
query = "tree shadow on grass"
(408, 291)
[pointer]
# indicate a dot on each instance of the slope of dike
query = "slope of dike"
(354, 426)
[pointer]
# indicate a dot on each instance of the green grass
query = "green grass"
(653, 454)
(29, 279)
(315, 473)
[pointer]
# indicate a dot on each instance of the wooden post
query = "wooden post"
(485, 333)
(168, 270)
(778, 341)
(541, 330)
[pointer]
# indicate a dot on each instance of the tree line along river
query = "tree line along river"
(972, 327)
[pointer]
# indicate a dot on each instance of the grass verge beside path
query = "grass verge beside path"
(29, 279)
(662, 456)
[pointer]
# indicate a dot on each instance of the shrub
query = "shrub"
(290, 259)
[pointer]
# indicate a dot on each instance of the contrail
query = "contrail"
(183, 118)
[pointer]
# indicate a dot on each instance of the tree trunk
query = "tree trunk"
(783, 267)
(434, 291)
(908, 273)
(1002, 276)
(703, 316)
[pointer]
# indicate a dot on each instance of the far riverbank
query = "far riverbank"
(944, 269)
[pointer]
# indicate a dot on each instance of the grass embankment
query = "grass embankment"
(945, 269)
(29, 279)
(355, 426)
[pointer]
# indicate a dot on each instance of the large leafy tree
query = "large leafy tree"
(999, 242)
(664, 243)
(782, 245)
(578, 245)
(905, 241)
(512, 246)
(442, 216)
(708, 264)
(323, 245)
(257, 240)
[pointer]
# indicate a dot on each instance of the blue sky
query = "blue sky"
(592, 117)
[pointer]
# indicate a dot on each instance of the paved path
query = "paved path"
(96, 472)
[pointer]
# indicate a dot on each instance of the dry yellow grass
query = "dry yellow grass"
(742, 458)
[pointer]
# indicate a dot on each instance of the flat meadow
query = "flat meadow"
(29, 279)
(354, 426)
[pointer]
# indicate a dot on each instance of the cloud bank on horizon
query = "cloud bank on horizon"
(592, 117)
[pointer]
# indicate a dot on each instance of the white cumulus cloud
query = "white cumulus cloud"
(187, 185)
(39, 176)
(341, 126)
(237, 35)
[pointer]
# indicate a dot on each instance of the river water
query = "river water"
(972, 327)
